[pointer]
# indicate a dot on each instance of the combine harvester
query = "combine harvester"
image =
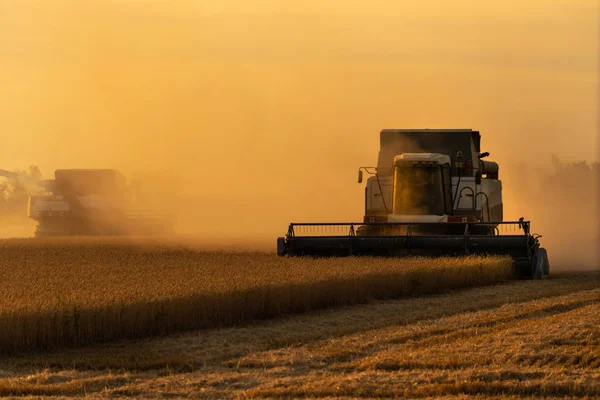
(89, 202)
(431, 194)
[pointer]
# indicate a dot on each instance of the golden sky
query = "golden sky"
(267, 108)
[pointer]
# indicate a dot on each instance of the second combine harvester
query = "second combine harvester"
(90, 202)
(433, 194)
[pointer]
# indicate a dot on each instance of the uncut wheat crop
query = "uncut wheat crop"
(64, 292)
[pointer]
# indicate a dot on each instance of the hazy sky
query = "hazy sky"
(267, 108)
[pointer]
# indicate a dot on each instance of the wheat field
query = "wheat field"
(513, 340)
(402, 333)
(64, 292)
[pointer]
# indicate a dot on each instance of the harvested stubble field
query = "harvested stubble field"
(63, 292)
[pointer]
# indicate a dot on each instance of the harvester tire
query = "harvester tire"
(542, 267)
(281, 246)
(544, 254)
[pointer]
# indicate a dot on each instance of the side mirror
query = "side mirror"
(360, 176)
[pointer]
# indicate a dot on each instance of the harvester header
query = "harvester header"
(431, 193)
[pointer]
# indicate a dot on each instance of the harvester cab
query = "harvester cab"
(460, 187)
(431, 193)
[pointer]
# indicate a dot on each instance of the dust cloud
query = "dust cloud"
(561, 200)
(262, 112)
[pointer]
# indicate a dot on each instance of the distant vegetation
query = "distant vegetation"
(14, 194)
(575, 181)
(77, 291)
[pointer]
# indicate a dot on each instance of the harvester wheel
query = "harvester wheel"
(281, 246)
(544, 255)
(542, 266)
